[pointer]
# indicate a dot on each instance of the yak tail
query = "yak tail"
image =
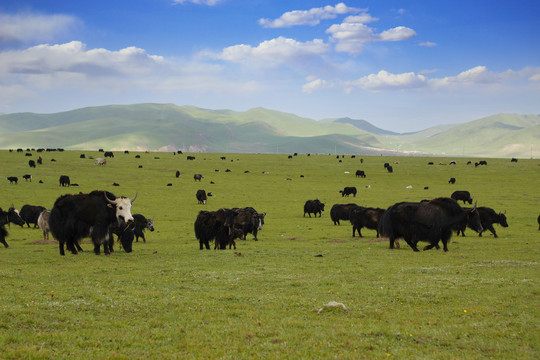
(385, 227)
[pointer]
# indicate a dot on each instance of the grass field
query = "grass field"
(170, 300)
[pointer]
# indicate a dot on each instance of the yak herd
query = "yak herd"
(100, 214)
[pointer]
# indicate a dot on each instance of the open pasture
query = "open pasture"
(168, 299)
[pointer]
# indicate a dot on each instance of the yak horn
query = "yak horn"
(133, 198)
(109, 200)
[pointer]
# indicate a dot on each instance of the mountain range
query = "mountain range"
(168, 127)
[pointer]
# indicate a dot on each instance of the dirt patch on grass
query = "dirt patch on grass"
(377, 240)
(340, 240)
(43, 242)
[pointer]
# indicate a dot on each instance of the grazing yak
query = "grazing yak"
(218, 225)
(248, 220)
(488, 217)
(27, 177)
(360, 173)
(13, 179)
(64, 180)
(348, 190)
(365, 217)
(197, 177)
(341, 212)
(462, 195)
(201, 196)
(11, 215)
(125, 235)
(30, 214)
(141, 223)
(452, 181)
(430, 221)
(313, 207)
(74, 217)
(100, 161)
(43, 223)
(32, 163)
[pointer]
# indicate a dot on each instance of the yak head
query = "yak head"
(123, 208)
(474, 219)
(150, 224)
(502, 219)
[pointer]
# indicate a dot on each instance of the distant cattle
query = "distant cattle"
(223, 158)
(13, 179)
(430, 163)
(313, 207)
(218, 226)
(452, 181)
(386, 165)
(452, 163)
(100, 161)
(64, 180)
(12, 215)
(189, 157)
(341, 212)
(108, 154)
(514, 160)
(82, 156)
(289, 157)
(197, 177)
(538, 220)
(141, 223)
(360, 173)
(248, 220)
(27, 177)
(348, 191)
(177, 173)
(137, 156)
(390, 169)
(201, 196)
(462, 195)
(74, 217)
(488, 217)
(431, 221)
(30, 214)
(365, 217)
(32, 163)
(43, 223)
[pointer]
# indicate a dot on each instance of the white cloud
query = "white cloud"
(314, 85)
(33, 28)
(275, 51)
(351, 35)
(386, 81)
(74, 58)
(309, 17)
(198, 2)
(427, 44)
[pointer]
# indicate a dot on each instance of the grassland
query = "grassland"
(169, 300)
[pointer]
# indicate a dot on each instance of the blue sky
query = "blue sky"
(401, 65)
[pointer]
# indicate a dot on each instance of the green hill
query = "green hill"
(168, 127)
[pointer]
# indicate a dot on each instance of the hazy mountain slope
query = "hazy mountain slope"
(495, 136)
(168, 127)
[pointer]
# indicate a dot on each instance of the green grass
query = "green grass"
(169, 300)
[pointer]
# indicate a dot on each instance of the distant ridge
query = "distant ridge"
(168, 127)
(366, 126)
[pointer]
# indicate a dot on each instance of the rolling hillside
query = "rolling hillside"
(167, 127)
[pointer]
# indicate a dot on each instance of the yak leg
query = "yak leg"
(3, 241)
(492, 229)
(61, 247)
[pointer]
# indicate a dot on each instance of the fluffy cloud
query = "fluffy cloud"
(74, 58)
(26, 28)
(274, 51)
(310, 17)
(351, 35)
(386, 81)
